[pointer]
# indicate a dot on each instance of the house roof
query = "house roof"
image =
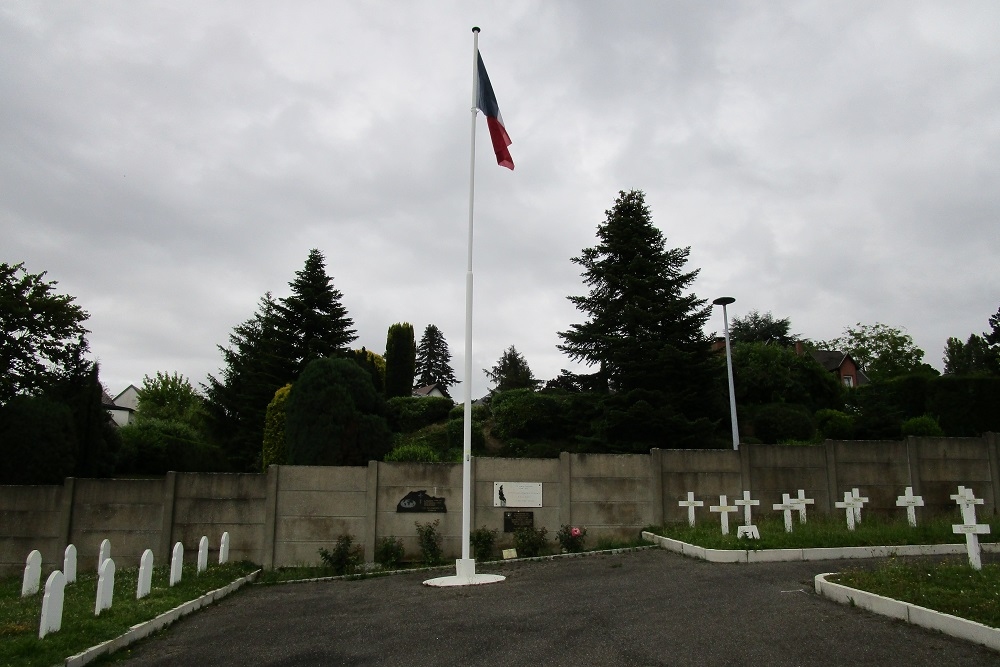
(429, 389)
(831, 360)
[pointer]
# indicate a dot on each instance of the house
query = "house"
(839, 363)
(122, 407)
(432, 390)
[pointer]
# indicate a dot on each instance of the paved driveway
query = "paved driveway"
(645, 608)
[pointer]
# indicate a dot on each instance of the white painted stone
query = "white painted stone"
(52, 604)
(202, 554)
(749, 532)
(911, 503)
(69, 564)
(32, 574)
(224, 549)
(177, 564)
(800, 504)
(787, 506)
(145, 575)
(859, 502)
(104, 554)
(690, 504)
(724, 508)
(105, 586)
(967, 501)
(849, 504)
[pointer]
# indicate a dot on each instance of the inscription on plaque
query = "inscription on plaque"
(517, 494)
(419, 501)
(514, 520)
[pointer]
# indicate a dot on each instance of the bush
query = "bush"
(37, 441)
(921, 426)
(156, 446)
(430, 543)
(389, 552)
(407, 414)
(835, 425)
(274, 429)
(523, 413)
(482, 541)
(571, 539)
(345, 558)
(529, 542)
(782, 422)
(413, 452)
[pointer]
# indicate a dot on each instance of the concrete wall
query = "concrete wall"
(285, 516)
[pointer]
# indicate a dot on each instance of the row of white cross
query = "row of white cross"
(55, 585)
(852, 505)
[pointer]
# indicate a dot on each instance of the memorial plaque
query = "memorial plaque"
(514, 520)
(517, 494)
(419, 501)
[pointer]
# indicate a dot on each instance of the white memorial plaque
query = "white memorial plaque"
(517, 494)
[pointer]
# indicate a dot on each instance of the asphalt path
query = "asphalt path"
(643, 608)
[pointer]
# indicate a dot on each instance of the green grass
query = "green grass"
(951, 587)
(19, 617)
(824, 531)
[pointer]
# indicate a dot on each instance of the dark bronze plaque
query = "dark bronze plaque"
(514, 520)
(419, 501)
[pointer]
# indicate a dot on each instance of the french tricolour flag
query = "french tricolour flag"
(486, 102)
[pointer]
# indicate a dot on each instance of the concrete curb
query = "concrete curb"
(143, 630)
(911, 613)
(825, 553)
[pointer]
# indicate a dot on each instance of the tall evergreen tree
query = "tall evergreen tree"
(400, 360)
(511, 372)
(434, 360)
(757, 328)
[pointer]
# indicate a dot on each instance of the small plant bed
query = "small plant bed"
(950, 587)
(81, 629)
(823, 531)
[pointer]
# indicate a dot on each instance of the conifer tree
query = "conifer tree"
(511, 372)
(400, 360)
(434, 360)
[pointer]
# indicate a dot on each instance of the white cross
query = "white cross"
(911, 503)
(859, 502)
(787, 505)
(746, 503)
(691, 503)
(724, 509)
(968, 501)
(851, 505)
(800, 504)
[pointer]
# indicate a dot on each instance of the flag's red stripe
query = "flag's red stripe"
(498, 134)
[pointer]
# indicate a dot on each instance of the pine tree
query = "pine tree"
(400, 360)
(511, 372)
(434, 360)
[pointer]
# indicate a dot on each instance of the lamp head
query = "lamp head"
(724, 301)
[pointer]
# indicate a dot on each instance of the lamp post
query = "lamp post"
(725, 301)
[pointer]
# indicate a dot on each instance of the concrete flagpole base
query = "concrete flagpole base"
(465, 575)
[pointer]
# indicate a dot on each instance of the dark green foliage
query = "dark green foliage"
(335, 417)
(975, 357)
(511, 372)
(371, 362)
(274, 429)
(522, 413)
(921, 426)
(965, 406)
(170, 397)
(389, 552)
(400, 360)
(345, 558)
(781, 422)
(764, 374)
(96, 438)
(482, 542)
(757, 328)
(153, 446)
(571, 539)
(530, 542)
(433, 364)
(430, 543)
(407, 414)
(881, 351)
(37, 441)
(413, 452)
(835, 425)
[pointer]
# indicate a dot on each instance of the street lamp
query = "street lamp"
(725, 301)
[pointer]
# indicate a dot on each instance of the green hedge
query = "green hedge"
(407, 414)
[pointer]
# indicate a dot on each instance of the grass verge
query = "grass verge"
(19, 617)
(951, 587)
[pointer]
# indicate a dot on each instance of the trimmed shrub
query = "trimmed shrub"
(482, 540)
(389, 552)
(571, 539)
(921, 426)
(274, 429)
(345, 558)
(782, 422)
(430, 543)
(407, 414)
(529, 542)
(835, 425)
(156, 446)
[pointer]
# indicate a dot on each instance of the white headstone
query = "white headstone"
(104, 554)
(202, 554)
(849, 504)
(105, 587)
(800, 504)
(690, 504)
(52, 604)
(145, 575)
(177, 564)
(224, 549)
(32, 574)
(724, 509)
(787, 506)
(859, 502)
(69, 564)
(972, 530)
(911, 503)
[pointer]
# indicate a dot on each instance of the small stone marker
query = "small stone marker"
(911, 503)
(859, 503)
(177, 564)
(104, 554)
(800, 504)
(787, 505)
(747, 529)
(849, 504)
(509, 553)
(52, 604)
(972, 530)
(224, 549)
(105, 587)
(202, 554)
(724, 509)
(69, 564)
(32, 574)
(690, 504)
(145, 575)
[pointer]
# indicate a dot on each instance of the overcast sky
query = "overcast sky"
(169, 163)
